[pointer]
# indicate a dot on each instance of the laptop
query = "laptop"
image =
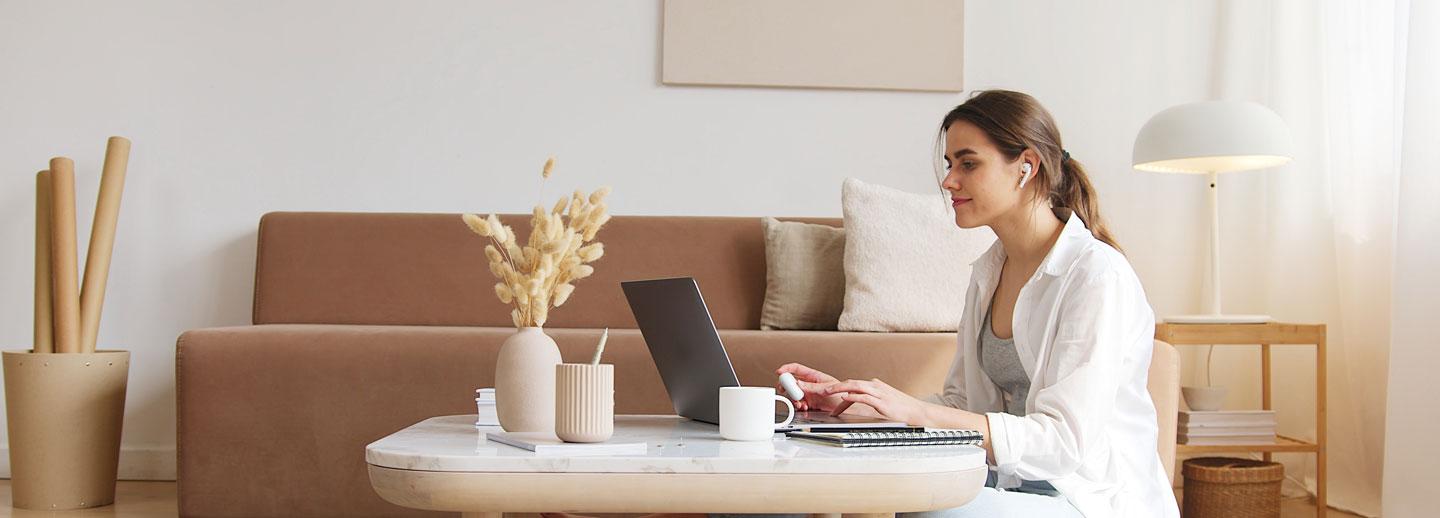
(685, 345)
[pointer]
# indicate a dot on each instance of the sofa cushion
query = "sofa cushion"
(429, 269)
(804, 275)
(906, 263)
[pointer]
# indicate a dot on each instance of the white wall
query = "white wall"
(239, 108)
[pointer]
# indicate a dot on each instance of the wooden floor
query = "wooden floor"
(150, 499)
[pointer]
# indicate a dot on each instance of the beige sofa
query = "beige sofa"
(365, 323)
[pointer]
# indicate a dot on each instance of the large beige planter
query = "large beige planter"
(65, 411)
(525, 381)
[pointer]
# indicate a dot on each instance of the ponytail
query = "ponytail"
(1076, 193)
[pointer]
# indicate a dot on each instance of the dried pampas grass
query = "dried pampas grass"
(540, 273)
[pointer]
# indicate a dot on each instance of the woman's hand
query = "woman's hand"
(887, 401)
(813, 384)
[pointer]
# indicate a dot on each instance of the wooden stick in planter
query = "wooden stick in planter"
(44, 327)
(102, 240)
(66, 291)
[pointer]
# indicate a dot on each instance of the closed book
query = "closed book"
(1194, 431)
(546, 443)
(1205, 432)
(1228, 417)
(1226, 440)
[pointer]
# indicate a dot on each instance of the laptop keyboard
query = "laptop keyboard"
(809, 420)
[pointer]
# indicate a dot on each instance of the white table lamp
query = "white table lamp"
(1213, 137)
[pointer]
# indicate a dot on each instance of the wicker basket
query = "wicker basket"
(1238, 488)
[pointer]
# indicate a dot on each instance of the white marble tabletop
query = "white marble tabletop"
(675, 445)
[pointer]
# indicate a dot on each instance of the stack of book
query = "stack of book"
(485, 408)
(1225, 427)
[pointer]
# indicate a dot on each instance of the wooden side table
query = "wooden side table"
(1264, 335)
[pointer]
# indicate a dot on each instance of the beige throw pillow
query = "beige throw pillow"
(804, 275)
(906, 263)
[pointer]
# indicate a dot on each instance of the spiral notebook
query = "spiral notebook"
(928, 437)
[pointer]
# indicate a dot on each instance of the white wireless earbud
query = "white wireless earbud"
(1025, 170)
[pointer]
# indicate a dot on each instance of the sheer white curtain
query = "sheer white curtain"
(1413, 418)
(1314, 241)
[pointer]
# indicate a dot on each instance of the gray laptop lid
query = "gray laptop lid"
(683, 342)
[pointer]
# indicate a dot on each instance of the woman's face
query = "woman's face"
(982, 184)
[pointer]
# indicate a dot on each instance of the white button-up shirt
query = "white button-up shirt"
(1084, 333)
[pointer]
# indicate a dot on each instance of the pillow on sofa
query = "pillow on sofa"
(906, 263)
(804, 275)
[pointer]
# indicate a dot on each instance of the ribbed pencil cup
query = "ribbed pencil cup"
(584, 402)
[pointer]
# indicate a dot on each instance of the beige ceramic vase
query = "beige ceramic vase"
(525, 381)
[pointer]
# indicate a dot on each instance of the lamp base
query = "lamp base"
(1218, 319)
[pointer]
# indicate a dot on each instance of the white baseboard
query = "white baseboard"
(138, 463)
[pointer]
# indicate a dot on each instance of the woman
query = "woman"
(1055, 339)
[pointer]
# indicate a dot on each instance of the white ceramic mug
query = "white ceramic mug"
(748, 413)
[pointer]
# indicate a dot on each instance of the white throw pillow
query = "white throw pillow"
(906, 263)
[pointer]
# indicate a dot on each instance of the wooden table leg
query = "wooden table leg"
(481, 514)
(1320, 426)
(1265, 385)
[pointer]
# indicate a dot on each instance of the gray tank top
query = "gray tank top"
(1001, 362)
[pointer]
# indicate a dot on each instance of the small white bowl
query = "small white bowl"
(1203, 398)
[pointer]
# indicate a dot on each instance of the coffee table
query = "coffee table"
(446, 464)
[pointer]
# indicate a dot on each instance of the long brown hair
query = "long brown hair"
(1015, 122)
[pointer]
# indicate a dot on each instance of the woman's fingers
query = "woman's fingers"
(811, 388)
(816, 397)
(804, 373)
(854, 391)
(874, 402)
(861, 386)
(793, 368)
